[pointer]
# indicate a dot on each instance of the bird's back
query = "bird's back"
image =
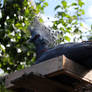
(78, 52)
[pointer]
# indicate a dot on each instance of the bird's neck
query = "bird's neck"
(41, 46)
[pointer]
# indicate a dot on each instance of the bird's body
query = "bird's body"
(78, 52)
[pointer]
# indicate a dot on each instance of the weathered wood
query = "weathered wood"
(42, 68)
(53, 69)
(22, 90)
(40, 83)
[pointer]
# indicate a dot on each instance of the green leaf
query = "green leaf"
(78, 14)
(27, 12)
(46, 4)
(61, 28)
(58, 6)
(81, 24)
(54, 27)
(82, 11)
(80, 3)
(76, 8)
(64, 3)
(74, 4)
(67, 16)
(74, 17)
(76, 30)
(41, 20)
(42, 0)
(19, 26)
(61, 14)
(67, 38)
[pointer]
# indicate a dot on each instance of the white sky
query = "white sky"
(49, 11)
(89, 13)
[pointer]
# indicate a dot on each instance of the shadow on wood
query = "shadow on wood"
(55, 75)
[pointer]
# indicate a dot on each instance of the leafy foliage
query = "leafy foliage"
(41, 4)
(15, 52)
(67, 16)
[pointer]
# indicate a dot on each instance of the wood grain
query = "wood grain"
(51, 68)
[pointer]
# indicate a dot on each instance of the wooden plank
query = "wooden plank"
(41, 83)
(88, 76)
(65, 64)
(51, 68)
(74, 67)
(77, 69)
(41, 68)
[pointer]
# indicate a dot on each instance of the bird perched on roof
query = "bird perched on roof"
(45, 48)
(41, 37)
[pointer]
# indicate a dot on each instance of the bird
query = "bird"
(41, 37)
(80, 53)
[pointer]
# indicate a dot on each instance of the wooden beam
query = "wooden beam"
(53, 67)
(41, 84)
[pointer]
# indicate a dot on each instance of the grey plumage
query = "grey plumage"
(41, 37)
(45, 48)
(78, 52)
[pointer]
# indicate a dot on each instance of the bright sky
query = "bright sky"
(88, 12)
(49, 11)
